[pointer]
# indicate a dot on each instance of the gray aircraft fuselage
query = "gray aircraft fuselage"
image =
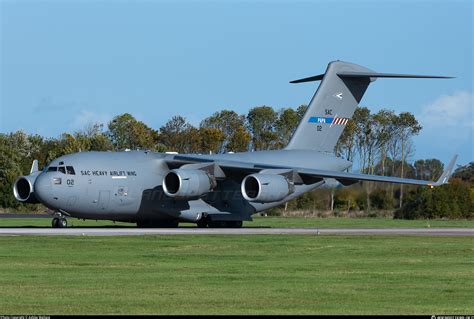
(126, 186)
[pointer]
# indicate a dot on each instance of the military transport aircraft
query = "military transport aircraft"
(221, 190)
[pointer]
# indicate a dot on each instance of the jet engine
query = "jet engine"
(266, 188)
(23, 189)
(187, 183)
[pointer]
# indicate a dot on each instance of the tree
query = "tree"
(177, 135)
(69, 144)
(408, 126)
(430, 169)
(384, 131)
(191, 140)
(466, 173)
(228, 122)
(97, 139)
(261, 122)
(211, 139)
(10, 170)
(285, 125)
(363, 122)
(126, 132)
(345, 146)
(239, 141)
(301, 110)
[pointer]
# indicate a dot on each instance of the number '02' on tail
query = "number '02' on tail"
(332, 106)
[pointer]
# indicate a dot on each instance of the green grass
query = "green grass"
(341, 222)
(263, 274)
(298, 222)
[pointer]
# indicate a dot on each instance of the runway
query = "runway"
(97, 231)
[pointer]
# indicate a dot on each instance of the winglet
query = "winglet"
(34, 167)
(443, 179)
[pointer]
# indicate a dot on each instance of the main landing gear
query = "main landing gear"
(59, 221)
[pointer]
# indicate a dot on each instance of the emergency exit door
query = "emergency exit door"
(104, 197)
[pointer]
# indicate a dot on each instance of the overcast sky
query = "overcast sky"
(67, 63)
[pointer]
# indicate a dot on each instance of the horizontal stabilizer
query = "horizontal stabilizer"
(310, 79)
(372, 75)
(388, 75)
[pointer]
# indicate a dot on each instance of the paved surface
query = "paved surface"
(241, 231)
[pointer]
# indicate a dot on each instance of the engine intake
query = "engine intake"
(187, 183)
(266, 188)
(23, 189)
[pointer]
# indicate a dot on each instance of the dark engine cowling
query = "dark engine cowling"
(23, 189)
(266, 188)
(187, 183)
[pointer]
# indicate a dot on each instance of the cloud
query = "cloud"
(47, 104)
(85, 118)
(447, 128)
(449, 111)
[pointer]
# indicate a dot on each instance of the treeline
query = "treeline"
(380, 143)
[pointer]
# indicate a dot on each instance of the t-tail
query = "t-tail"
(332, 106)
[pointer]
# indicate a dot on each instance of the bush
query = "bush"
(381, 199)
(454, 200)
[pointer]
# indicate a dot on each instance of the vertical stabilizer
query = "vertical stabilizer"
(331, 107)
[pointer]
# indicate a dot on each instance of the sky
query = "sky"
(66, 64)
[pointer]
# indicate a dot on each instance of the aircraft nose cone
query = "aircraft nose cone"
(43, 188)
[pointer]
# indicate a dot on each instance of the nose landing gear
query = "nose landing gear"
(59, 221)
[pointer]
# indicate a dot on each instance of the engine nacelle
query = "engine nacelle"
(187, 183)
(266, 188)
(23, 189)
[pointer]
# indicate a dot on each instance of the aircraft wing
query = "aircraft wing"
(244, 168)
(351, 178)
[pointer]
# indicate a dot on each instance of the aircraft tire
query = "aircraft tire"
(55, 223)
(63, 223)
(202, 223)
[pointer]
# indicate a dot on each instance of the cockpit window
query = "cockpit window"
(52, 169)
(70, 170)
(62, 169)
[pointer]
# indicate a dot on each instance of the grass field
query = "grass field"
(297, 222)
(264, 274)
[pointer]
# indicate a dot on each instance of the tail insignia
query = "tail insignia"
(328, 120)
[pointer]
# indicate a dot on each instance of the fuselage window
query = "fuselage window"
(62, 169)
(70, 170)
(52, 169)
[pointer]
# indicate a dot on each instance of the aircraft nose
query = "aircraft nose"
(43, 188)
